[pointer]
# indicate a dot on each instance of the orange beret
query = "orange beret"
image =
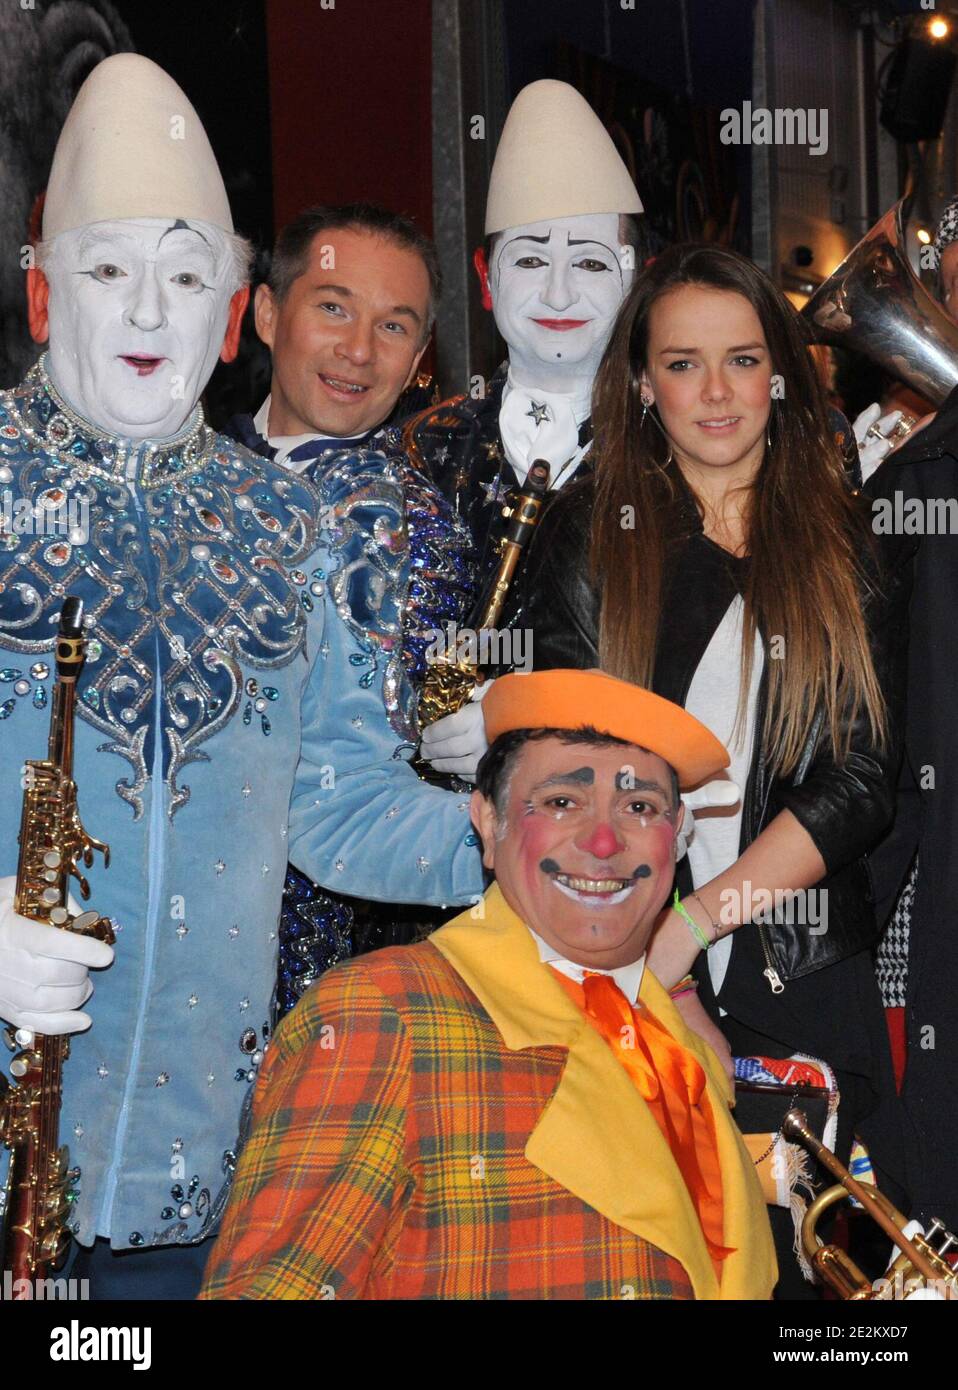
(575, 699)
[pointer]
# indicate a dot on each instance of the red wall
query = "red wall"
(350, 104)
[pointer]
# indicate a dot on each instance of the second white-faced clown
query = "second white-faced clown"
(561, 255)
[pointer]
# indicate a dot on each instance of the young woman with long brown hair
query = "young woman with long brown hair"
(721, 557)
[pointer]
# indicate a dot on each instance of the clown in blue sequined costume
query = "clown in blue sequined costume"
(216, 614)
(229, 717)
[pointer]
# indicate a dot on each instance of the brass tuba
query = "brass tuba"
(875, 304)
(920, 1264)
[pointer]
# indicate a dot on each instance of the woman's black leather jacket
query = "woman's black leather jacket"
(844, 807)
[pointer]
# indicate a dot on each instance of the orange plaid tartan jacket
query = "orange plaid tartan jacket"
(389, 1155)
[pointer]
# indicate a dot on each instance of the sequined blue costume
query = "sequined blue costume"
(231, 717)
(319, 928)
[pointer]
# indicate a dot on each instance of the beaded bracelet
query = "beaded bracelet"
(700, 938)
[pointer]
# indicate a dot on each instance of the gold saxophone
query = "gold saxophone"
(920, 1264)
(451, 679)
(40, 1187)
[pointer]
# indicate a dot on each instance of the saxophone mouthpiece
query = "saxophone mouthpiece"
(71, 617)
(538, 475)
(70, 641)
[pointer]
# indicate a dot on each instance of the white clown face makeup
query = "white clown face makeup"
(138, 311)
(556, 287)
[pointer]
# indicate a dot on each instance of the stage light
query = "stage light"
(938, 28)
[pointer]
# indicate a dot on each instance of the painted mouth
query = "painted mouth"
(594, 885)
(561, 325)
(594, 892)
(142, 363)
(340, 387)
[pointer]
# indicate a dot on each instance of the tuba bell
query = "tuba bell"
(875, 304)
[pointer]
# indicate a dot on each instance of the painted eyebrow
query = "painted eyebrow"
(636, 784)
(347, 293)
(590, 241)
(583, 776)
(540, 239)
(180, 226)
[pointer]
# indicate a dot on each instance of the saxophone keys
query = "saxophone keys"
(83, 887)
(92, 924)
(23, 1062)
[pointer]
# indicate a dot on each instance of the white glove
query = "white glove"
(456, 742)
(44, 979)
(721, 792)
(872, 449)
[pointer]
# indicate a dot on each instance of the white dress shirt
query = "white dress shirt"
(627, 977)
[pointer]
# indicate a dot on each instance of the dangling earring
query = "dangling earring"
(646, 404)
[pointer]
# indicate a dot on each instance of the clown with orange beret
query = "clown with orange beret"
(513, 1108)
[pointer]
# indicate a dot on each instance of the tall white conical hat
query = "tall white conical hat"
(132, 146)
(555, 159)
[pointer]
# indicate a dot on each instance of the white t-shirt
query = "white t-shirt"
(713, 699)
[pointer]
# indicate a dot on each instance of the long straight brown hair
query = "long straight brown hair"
(806, 533)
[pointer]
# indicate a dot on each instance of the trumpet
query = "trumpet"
(920, 1267)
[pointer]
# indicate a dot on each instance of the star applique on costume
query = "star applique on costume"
(495, 490)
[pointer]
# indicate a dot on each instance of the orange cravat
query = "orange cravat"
(671, 1081)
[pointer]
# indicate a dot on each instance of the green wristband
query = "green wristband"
(678, 906)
